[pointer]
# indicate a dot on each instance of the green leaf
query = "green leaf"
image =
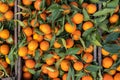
(86, 16)
(38, 65)
(103, 27)
(72, 51)
(81, 1)
(103, 12)
(100, 19)
(63, 42)
(69, 20)
(21, 23)
(94, 1)
(57, 64)
(47, 56)
(79, 75)
(37, 55)
(112, 36)
(93, 68)
(31, 71)
(83, 43)
(113, 3)
(96, 42)
(70, 74)
(87, 32)
(52, 41)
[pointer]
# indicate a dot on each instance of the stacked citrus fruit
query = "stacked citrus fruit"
(6, 37)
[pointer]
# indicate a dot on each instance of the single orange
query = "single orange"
(87, 77)
(24, 69)
(104, 52)
(114, 18)
(87, 25)
(53, 74)
(117, 76)
(57, 44)
(27, 2)
(43, 16)
(44, 68)
(27, 76)
(114, 57)
(78, 18)
(70, 28)
(76, 34)
(22, 51)
(66, 9)
(29, 63)
(38, 37)
(32, 45)
(87, 57)
(44, 45)
(4, 34)
(65, 65)
(9, 15)
(37, 4)
(50, 61)
(112, 72)
(69, 43)
(91, 8)
(84, 5)
(107, 60)
(4, 49)
(78, 66)
(34, 23)
(4, 8)
(45, 28)
(28, 31)
(107, 77)
(64, 77)
(48, 36)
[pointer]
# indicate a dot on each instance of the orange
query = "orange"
(4, 34)
(28, 31)
(32, 45)
(107, 60)
(48, 2)
(57, 44)
(4, 49)
(114, 57)
(4, 63)
(37, 4)
(116, 9)
(87, 57)
(10, 3)
(50, 61)
(107, 77)
(24, 69)
(114, 18)
(69, 28)
(85, 66)
(22, 51)
(43, 16)
(25, 23)
(78, 66)
(1, 17)
(69, 43)
(9, 15)
(56, 56)
(31, 52)
(64, 77)
(27, 76)
(65, 65)
(91, 8)
(44, 45)
(117, 76)
(87, 25)
(112, 72)
(48, 36)
(84, 5)
(104, 52)
(57, 1)
(29, 63)
(45, 28)
(53, 74)
(87, 77)
(66, 9)
(74, 3)
(78, 18)
(38, 37)
(118, 68)
(76, 34)
(89, 49)
(27, 2)
(34, 23)
(7, 59)
(44, 68)
(56, 79)
(4, 7)
(29, 39)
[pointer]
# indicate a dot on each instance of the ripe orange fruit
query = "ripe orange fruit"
(50, 61)
(64, 77)
(2, 18)
(107, 60)
(38, 37)
(25, 23)
(87, 57)
(4, 7)
(10, 3)
(117, 76)
(44, 68)
(34, 23)
(114, 18)
(66, 9)
(69, 43)
(84, 5)
(9, 15)
(76, 34)
(37, 4)
(44, 45)
(74, 3)
(107, 77)
(91, 8)
(114, 57)
(56, 79)
(118, 68)
(69, 28)
(28, 31)
(78, 18)
(57, 44)
(87, 25)
(29, 63)
(7, 59)
(81, 50)
(87, 77)
(31, 52)
(89, 49)
(48, 36)
(78, 66)
(32, 45)
(4, 49)
(112, 72)
(27, 2)
(85, 66)
(53, 74)
(65, 65)
(104, 52)
(45, 28)
(24, 69)
(27, 76)
(22, 51)
(4, 63)
(4, 34)
(43, 16)
(29, 39)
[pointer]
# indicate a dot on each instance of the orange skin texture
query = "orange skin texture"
(53, 74)
(9, 15)
(45, 28)
(25, 69)
(25, 23)
(65, 64)
(44, 45)
(44, 68)
(87, 57)
(117, 76)
(118, 68)
(114, 18)
(48, 36)
(22, 51)
(34, 23)
(69, 43)
(74, 3)
(4, 49)
(4, 7)
(87, 77)
(76, 34)
(84, 5)
(64, 77)
(56, 79)
(37, 4)
(107, 62)
(57, 45)
(29, 63)
(78, 18)
(2, 18)
(27, 75)
(66, 9)
(91, 8)
(4, 63)
(27, 2)
(112, 72)
(28, 31)
(114, 57)
(78, 66)
(43, 16)
(69, 28)
(32, 45)
(50, 61)
(38, 37)
(4, 34)
(87, 25)
(104, 52)
(107, 77)
(89, 49)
